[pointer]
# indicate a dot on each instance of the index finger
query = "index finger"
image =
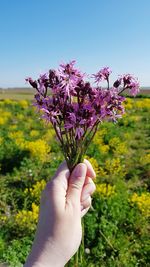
(90, 171)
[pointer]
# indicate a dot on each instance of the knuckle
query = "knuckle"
(94, 188)
(76, 186)
(87, 203)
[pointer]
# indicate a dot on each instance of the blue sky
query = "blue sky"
(39, 34)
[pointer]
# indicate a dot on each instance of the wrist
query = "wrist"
(45, 256)
(37, 262)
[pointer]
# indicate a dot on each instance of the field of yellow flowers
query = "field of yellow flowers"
(116, 228)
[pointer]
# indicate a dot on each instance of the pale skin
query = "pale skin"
(65, 200)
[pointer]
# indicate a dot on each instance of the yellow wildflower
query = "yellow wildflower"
(3, 218)
(143, 202)
(134, 118)
(50, 134)
(38, 149)
(8, 101)
(113, 166)
(5, 116)
(23, 104)
(27, 218)
(2, 121)
(144, 160)
(105, 190)
(117, 146)
(13, 127)
(15, 135)
(121, 149)
(20, 117)
(1, 103)
(34, 133)
(29, 123)
(104, 148)
(102, 172)
(36, 190)
(128, 104)
(113, 142)
(98, 138)
(142, 104)
(18, 138)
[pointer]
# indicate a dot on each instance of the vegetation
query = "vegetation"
(116, 228)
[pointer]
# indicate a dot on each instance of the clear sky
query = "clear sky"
(36, 35)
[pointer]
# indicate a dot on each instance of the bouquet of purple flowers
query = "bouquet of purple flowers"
(76, 108)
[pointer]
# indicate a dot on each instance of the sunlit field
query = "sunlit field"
(116, 227)
(17, 93)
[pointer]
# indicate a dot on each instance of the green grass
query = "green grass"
(17, 94)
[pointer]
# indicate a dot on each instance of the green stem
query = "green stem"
(68, 264)
(108, 242)
(82, 248)
(77, 259)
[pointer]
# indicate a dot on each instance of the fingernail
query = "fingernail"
(80, 170)
(91, 171)
(94, 173)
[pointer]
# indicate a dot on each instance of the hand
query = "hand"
(64, 201)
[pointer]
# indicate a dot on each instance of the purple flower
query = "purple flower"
(118, 82)
(134, 88)
(131, 83)
(79, 132)
(31, 82)
(76, 108)
(102, 75)
(72, 117)
(68, 125)
(70, 77)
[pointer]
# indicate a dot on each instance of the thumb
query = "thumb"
(76, 183)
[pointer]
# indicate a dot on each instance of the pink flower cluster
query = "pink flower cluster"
(76, 108)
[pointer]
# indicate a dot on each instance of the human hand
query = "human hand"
(64, 201)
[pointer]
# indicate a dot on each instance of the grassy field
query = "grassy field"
(28, 93)
(117, 226)
(17, 93)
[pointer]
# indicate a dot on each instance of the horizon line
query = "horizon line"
(26, 87)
